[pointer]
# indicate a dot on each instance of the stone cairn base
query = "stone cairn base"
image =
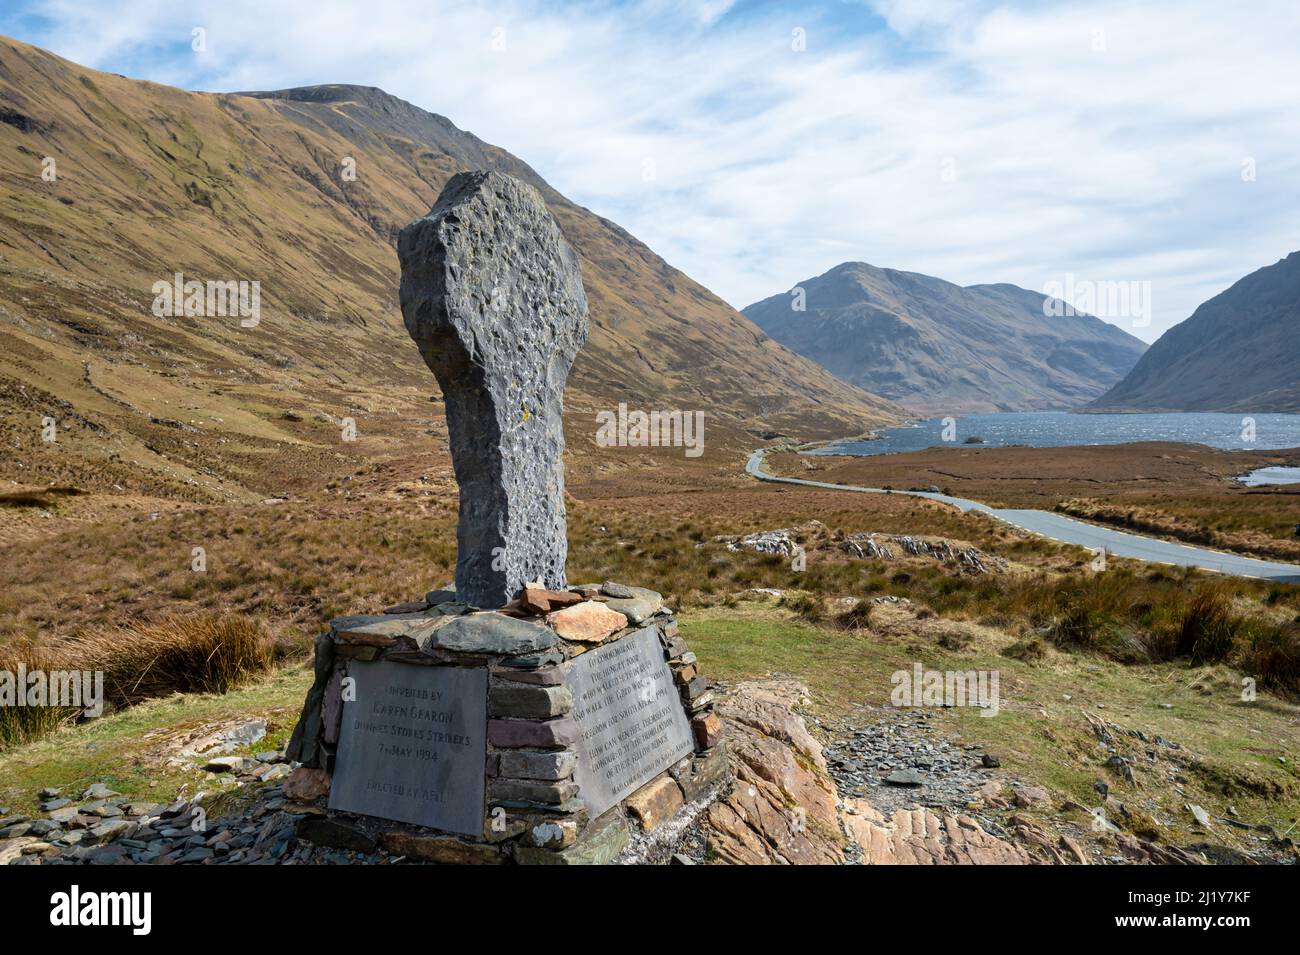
(533, 810)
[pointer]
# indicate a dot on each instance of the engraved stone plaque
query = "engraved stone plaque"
(412, 746)
(630, 715)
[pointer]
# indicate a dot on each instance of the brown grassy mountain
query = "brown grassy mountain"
(152, 180)
(937, 347)
(1239, 351)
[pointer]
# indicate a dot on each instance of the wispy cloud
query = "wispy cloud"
(755, 145)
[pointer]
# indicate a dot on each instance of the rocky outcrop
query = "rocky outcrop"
(882, 547)
(782, 806)
(813, 537)
(921, 836)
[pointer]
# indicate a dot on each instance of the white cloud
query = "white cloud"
(1103, 139)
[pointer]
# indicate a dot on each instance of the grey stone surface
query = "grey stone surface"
(636, 603)
(304, 743)
(905, 777)
(540, 792)
(492, 295)
(637, 610)
(534, 661)
(384, 629)
(108, 830)
(538, 764)
(412, 746)
(551, 676)
(630, 717)
(334, 833)
(489, 633)
(702, 773)
(600, 844)
(530, 702)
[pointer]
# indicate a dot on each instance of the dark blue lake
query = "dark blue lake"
(1055, 429)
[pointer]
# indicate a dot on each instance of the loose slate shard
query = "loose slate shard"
(492, 295)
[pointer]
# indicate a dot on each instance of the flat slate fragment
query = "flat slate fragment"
(518, 734)
(489, 633)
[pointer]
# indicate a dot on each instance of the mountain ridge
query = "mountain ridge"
(937, 347)
(1238, 351)
(151, 180)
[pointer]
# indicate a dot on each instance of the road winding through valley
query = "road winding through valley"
(1070, 531)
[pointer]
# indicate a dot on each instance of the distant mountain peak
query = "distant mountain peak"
(934, 346)
(369, 96)
(1239, 351)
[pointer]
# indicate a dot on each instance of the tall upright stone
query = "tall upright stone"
(492, 295)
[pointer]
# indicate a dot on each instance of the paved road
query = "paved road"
(1069, 531)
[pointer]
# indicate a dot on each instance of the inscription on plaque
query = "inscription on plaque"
(631, 719)
(412, 746)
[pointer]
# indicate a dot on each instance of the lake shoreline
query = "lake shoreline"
(1051, 524)
(1067, 429)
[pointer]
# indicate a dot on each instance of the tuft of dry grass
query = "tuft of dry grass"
(179, 654)
(857, 617)
(1272, 653)
(21, 723)
(1028, 650)
(811, 608)
(191, 654)
(1209, 628)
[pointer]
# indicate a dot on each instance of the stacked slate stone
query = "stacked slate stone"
(533, 811)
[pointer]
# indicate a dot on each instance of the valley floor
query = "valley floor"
(1068, 530)
(1096, 694)
(1182, 492)
(1062, 720)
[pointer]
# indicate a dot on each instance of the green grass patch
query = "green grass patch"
(1040, 732)
(127, 750)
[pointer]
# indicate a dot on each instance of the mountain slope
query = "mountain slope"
(937, 347)
(1239, 351)
(152, 181)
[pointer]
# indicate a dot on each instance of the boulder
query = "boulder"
(922, 836)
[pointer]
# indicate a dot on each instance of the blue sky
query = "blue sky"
(757, 144)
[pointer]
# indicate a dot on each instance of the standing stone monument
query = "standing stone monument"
(559, 723)
(492, 295)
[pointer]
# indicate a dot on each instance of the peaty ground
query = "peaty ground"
(1183, 492)
(378, 528)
